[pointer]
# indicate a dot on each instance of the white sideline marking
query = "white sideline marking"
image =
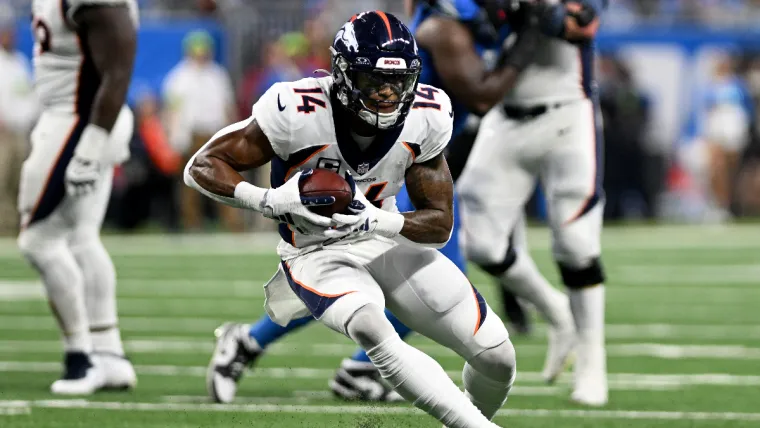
(621, 381)
(376, 410)
(170, 345)
(207, 325)
(14, 408)
(630, 238)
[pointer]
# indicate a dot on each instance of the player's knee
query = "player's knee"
(499, 268)
(577, 275)
(33, 245)
(499, 363)
(369, 327)
(84, 237)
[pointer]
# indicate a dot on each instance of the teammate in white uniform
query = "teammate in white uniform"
(83, 62)
(549, 127)
(367, 121)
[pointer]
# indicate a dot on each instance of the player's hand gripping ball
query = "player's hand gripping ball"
(324, 182)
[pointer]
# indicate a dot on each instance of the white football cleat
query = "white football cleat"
(361, 381)
(590, 387)
(80, 376)
(228, 363)
(117, 370)
(560, 352)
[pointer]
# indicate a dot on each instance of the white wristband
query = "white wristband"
(92, 143)
(389, 224)
(250, 196)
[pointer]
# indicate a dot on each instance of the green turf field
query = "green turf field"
(683, 340)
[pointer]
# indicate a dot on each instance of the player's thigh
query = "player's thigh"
(41, 188)
(333, 285)
(430, 295)
(572, 177)
(493, 189)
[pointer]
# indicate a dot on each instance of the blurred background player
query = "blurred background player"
(199, 100)
(84, 54)
(18, 111)
(477, 89)
(371, 119)
(548, 127)
(728, 116)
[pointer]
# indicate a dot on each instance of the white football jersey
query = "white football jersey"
(305, 132)
(560, 72)
(66, 79)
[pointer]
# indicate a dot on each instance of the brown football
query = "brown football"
(324, 182)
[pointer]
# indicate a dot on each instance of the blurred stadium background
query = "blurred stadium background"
(684, 333)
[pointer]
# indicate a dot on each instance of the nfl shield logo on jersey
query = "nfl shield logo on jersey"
(363, 168)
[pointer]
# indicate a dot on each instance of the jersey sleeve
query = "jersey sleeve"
(70, 7)
(272, 114)
(440, 123)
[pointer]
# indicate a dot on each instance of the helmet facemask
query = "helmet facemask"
(381, 97)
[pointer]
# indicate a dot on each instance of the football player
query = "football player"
(368, 120)
(549, 127)
(239, 345)
(83, 59)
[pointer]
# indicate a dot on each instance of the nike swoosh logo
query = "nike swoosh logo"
(280, 106)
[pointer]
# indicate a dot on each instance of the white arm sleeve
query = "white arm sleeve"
(246, 194)
(440, 128)
(274, 113)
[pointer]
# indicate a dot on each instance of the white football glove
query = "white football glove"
(86, 168)
(286, 205)
(365, 218)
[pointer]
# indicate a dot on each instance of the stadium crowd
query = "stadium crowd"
(200, 95)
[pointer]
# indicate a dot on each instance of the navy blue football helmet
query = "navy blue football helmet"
(372, 53)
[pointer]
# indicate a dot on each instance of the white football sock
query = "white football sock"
(525, 280)
(65, 291)
(587, 305)
(487, 394)
(421, 380)
(100, 295)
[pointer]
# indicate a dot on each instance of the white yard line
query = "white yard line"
(207, 326)
(169, 345)
(14, 408)
(619, 381)
(630, 238)
(376, 410)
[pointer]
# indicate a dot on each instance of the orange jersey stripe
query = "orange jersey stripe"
(295, 167)
(408, 147)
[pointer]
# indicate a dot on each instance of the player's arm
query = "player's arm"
(463, 71)
(111, 40)
(215, 169)
(431, 190)
(215, 172)
(575, 21)
(108, 37)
